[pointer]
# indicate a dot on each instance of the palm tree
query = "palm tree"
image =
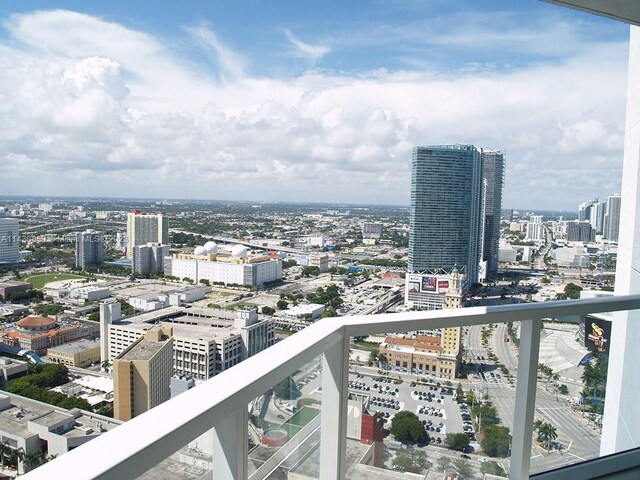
(35, 459)
(536, 428)
(548, 433)
(105, 365)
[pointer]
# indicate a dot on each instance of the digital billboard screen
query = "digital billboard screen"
(597, 334)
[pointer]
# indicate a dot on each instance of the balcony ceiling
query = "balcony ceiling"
(627, 11)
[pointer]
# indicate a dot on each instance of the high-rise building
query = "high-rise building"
(9, 240)
(89, 248)
(535, 229)
(597, 217)
(445, 221)
(142, 374)
(578, 231)
(493, 174)
(149, 257)
(612, 218)
(371, 230)
(143, 228)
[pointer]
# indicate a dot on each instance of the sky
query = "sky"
(314, 101)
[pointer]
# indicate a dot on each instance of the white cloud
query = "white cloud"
(105, 110)
(306, 50)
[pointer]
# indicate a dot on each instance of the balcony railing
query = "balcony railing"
(220, 404)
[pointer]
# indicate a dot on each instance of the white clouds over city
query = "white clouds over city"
(93, 107)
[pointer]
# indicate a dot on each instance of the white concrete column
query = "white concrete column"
(525, 399)
(230, 449)
(621, 424)
(333, 421)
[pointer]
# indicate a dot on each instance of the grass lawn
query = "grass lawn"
(299, 420)
(39, 281)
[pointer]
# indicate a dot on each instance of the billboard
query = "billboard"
(414, 287)
(443, 286)
(597, 334)
(429, 284)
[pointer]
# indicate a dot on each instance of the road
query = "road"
(578, 441)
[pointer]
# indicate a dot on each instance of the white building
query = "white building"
(313, 309)
(149, 257)
(205, 341)
(236, 266)
(9, 240)
(371, 230)
(535, 229)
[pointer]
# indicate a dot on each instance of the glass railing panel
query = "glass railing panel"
(284, 427)
(571, 386)
(408, 382)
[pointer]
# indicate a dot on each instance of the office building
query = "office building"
(493, 168)
(612, 218)
(110, 311)
(80, 353)
(205, 341)
(142, 374)
(9, 240)
(89, 248)
(578, 231)
(143, 228)
(535, 229)
(235, 266)
(149, 257)
(445, 221)
(371, 230)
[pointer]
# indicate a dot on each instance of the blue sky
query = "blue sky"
(306, 101)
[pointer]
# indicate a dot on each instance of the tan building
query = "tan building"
(430, 354)
(143, 228)
(80, 353)
(142, 374)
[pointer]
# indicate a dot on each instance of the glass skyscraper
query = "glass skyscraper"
(493, 174)
(445, 217)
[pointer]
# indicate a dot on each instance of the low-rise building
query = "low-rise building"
(235, 266)
(38, 427)
(7, 288)
(38, 334)
(81, 353)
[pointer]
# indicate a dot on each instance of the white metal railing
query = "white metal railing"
(221, 402)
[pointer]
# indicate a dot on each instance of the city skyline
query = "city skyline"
(221, 103)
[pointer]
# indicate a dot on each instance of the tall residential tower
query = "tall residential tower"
(445, 221)
(493, 173)
(143, 228)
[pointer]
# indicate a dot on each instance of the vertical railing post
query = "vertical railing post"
(525, 399)
(333, 421)
(230, 438)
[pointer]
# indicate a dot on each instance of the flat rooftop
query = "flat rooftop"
(76, 346)
(142, 350)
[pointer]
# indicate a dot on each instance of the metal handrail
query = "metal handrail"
(139, 444)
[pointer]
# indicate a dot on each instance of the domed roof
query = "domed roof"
(200, 251)
(36, 322)
(239, 251)
(211, 247)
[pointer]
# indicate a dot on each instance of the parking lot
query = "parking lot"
(435, 406)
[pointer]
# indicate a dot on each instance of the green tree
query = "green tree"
(457, 441)
(495, 441)
(282, 304)
(444, 463)
(268, 310)
(287, 389)
(402, 461)
(547, 433)
(463, 468)
(407, 428)
(492, 468)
